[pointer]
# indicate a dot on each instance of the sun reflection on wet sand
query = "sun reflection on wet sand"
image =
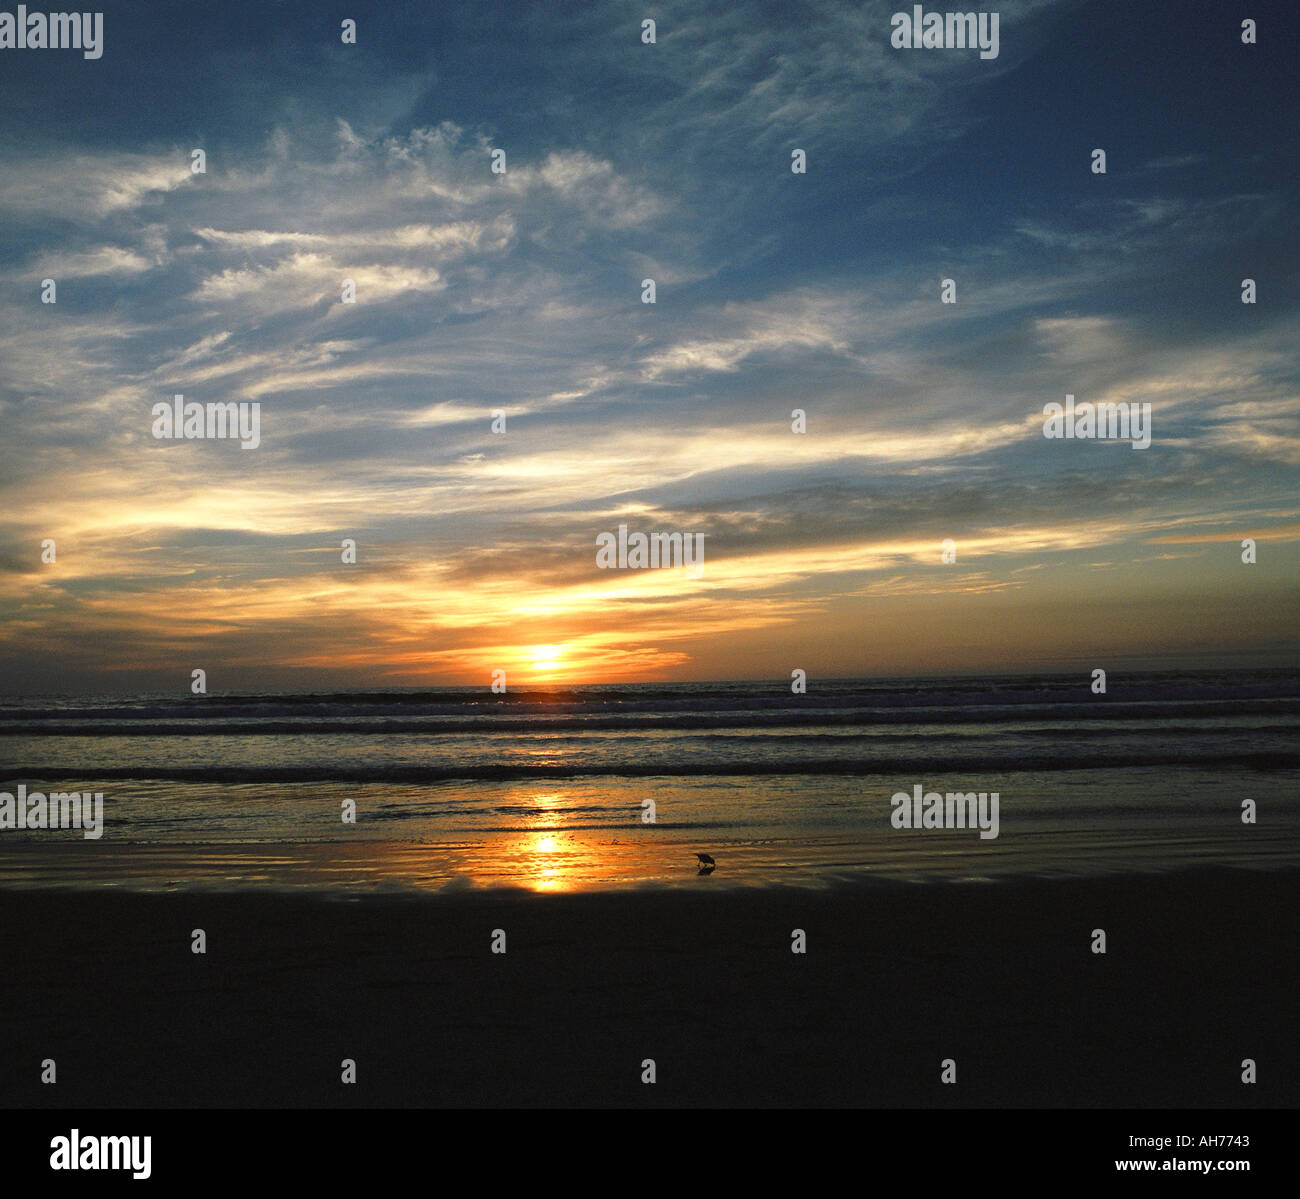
(546, 870)
(551, 860)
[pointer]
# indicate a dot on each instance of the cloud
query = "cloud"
(101, 260)
(305, 279)
(520, 293)
(86, 187)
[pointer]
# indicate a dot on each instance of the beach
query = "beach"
(942, 851)
(1200, 973)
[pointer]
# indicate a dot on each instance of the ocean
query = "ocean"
(607, 786)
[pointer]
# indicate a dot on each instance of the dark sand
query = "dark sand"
(1201, 972)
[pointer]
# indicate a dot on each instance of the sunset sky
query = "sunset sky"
(522, 291)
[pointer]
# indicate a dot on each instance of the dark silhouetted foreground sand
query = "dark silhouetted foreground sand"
(1201, 972)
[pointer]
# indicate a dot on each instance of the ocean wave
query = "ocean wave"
(219, 724)
(986, 763)
(1007, 698)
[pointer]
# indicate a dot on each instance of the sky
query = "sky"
(522, 292)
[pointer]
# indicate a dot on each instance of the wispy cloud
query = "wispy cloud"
(520, 292)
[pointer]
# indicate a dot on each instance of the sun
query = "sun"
(546, 658)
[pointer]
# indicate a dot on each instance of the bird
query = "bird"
(706, 859)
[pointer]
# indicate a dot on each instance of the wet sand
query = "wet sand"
(1201, 972)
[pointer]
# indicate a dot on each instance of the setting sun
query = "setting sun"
(547, 658)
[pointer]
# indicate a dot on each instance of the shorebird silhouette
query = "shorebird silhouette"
(705, 859)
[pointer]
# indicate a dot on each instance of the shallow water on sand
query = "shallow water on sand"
(592, 788)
